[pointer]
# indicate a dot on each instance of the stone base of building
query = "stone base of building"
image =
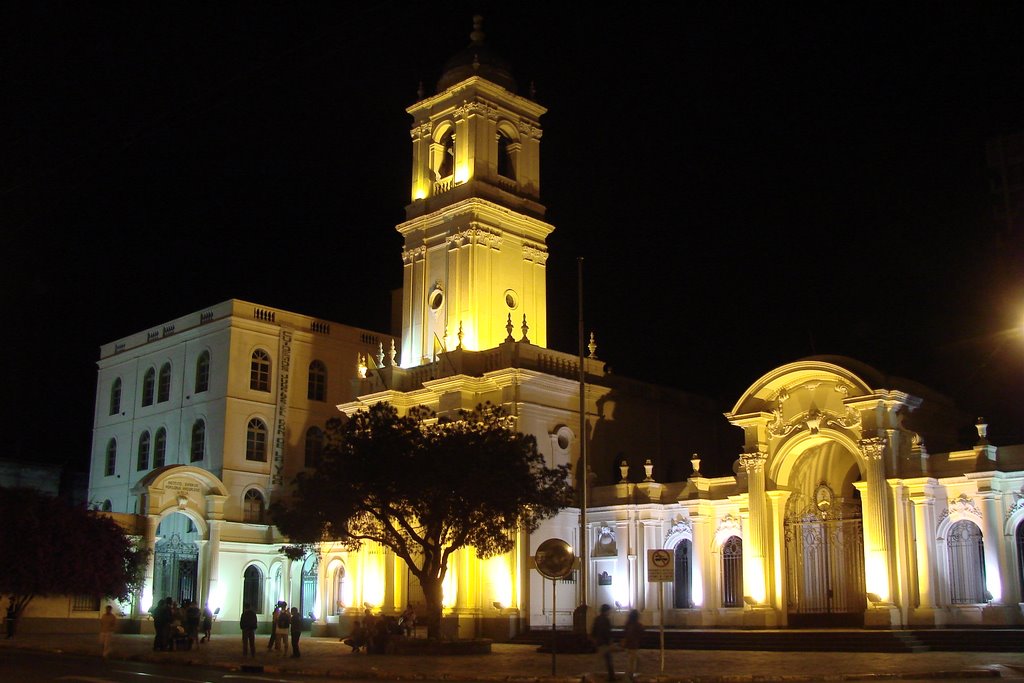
(882, 615)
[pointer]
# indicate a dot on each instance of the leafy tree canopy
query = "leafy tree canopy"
(48, 547)
(424, 488)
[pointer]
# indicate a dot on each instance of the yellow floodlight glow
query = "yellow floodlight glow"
(501, 580)
(754, 581)
(449, 589)
(876, 575)
(993, 583)
(697, 588)
(461, 173)
(419, 192)
(373, 578)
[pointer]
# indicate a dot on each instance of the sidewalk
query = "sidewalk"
(520, 663)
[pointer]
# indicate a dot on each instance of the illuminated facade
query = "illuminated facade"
(836, 512)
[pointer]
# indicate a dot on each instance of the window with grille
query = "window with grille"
(317, 389)
(148, 387)
(259, 372)
(110, 465)
(966, 563)
(314, 446)
(115, 397)
(198, 450)
(252, 588)
(163, 388)
(143, 460)
(252, 507)
(203, 372)
(85, 603)
(160, 448)
(682, 598)
(732, 572)
(256, 441)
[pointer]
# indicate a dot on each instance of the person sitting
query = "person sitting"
(356, 638)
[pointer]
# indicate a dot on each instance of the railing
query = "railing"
(443, 185)
(319, 327)
(264, 315)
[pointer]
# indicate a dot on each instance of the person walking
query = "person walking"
(248, 623)
(631, 635)
(601, 634)
(108, 624)
(272, 643)
(296, 630)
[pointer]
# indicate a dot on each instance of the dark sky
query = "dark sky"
(748, 184)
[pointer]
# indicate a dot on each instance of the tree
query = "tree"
(49, 547)
(425, 488)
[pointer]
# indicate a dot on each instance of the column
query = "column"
(700, 562)
(649, 541)
(923, 536)
(213, 596)
(997, 574)
(149, 542)
(876, 521)
(756, 584)
(777, 560)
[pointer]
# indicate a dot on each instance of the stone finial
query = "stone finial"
(392, 354)
(982, 426)
(477, 35)
(380, 354)
(648, 470)
(526, 330)
(592, 347)
(624, 471)
(695, 463)
(508, 329)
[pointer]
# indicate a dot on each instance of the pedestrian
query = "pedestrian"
(192, 618)
(631, 635)
(356, 638)
(284, 621)
(296, 630)
(207, 622)
(601, 634)
(108, 624)
(272, 643)
(159, 615)
(11, 617)
(248, 624)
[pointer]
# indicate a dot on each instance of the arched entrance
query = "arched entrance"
(176, 559)
(824, 540)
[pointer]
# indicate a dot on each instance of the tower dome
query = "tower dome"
(477, 59)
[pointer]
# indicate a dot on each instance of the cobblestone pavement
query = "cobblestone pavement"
(328, 657)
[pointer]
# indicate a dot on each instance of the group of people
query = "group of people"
(601, 634)
(285, 625)
(373, 635)
(178, 626)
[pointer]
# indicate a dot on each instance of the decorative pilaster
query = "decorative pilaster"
(753, 463)
(998, 573)
(213, 595)
(149, 541)
(924, 532)
(876, 516)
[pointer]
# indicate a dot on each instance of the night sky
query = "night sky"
(748, 184)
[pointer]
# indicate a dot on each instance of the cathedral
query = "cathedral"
(849, 503)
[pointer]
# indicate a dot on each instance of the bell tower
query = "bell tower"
(475, 242)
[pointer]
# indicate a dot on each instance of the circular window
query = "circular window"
(564, 438)
(511, 300)
(436, 299)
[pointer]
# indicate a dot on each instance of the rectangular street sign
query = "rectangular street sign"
(660, 566)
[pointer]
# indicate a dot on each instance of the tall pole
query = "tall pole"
(584, 469)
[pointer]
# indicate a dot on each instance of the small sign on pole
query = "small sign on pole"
(661, 568)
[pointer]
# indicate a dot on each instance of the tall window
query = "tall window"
(317, 388)
(203, 372)
(732, 572)
(148, 387)
(160, 448)
(506, 164)
(163, 388)
(115, 397)
(259, 373)
(314, 446)
(252, 588)
(1020, 555)
(256, 440)
(338, 592)
(198, 450)
(143, 461)
(683, 554)
(966, 564)
(110, 465)
(252, 507)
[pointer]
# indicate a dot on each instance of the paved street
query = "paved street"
(328, 657)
